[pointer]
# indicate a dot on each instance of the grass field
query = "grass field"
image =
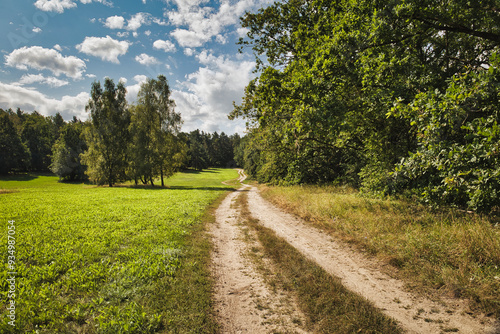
(107, 260)
(447, 251)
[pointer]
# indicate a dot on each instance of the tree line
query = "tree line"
(392, 97)
(119, 141)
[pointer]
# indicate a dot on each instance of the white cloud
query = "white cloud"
(104, 2)
(28, 79)
(115, 22)
(136, 21)
(133, 90)
(58, 47)
(59, 6)
(188, 51)
(242, 32)
(147, 60)
(210, 92)
(37, 30)
(147, 32)
(54, 5)
(166, 46)
(189, 38)
(160, 22)
(14, 96)
(46, 59)
(221, 39)
(105, 48)
(203, 23)
(133, 23)
(124, 80)
(140, 78)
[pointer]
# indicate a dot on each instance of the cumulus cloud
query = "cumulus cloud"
(54, 5)
(132, 24)
(14, 96)
(166, 46)
(147, 60)
(203, 23)
(106, 48)
(28, 79)
(115, 22)
(133, 90)
(40, 58)
(210, 91)
(137, 20)
(189, 38)
(59, 6)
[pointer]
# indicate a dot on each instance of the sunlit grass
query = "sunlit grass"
(94, 259)
(455, 252)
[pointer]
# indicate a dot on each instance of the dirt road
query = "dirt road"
(238, 283)
(244, 303)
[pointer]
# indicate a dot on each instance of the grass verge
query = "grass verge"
(447, 252)
(326, 304)
(187, 298)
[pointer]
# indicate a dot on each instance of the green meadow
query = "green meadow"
(94, 259)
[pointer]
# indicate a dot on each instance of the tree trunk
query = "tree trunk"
(110, 179)
(161, 173)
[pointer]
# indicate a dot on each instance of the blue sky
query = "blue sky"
(52, 50)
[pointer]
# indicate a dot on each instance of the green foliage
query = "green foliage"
(107, 136)
(458, 157)
(211, 149)
(14, 155)
(131, 319)
(66, 153)
(101, 259)
(330, 72)
(154, 125)
(38, 134)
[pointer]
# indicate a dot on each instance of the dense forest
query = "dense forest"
(119, 142)
(391, 97)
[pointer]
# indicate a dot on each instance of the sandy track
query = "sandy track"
(361, 275)
(243, 302)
